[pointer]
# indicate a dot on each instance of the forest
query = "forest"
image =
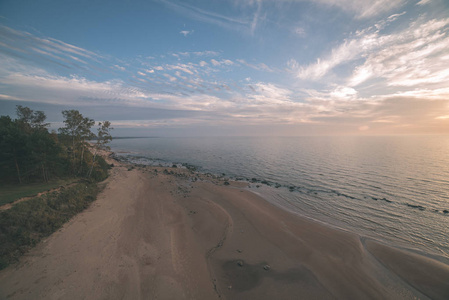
(30, 153)
(60, 171)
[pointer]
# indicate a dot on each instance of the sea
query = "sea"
(394, 189)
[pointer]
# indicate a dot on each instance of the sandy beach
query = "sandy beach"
(157, 233)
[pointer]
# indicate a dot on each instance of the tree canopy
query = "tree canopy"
(32, 153)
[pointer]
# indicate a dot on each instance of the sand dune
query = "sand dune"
(152, 235)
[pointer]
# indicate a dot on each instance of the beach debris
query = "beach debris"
(416, 206)
(226, 183)
(240, 263)
(239, 251)
(266, 267)
(230, 287)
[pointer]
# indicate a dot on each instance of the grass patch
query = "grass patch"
(13, 192)
(26, 223)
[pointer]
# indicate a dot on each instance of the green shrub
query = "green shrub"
(26, 223)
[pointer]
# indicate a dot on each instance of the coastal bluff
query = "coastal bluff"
(170, 233)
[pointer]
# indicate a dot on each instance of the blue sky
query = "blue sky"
(247, 67)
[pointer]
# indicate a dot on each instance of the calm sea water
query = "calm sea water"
(394, 189)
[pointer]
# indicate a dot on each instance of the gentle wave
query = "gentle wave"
(394, 189)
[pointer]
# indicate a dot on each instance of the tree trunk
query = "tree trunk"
(18, 170)
(81, 162)
(93, 162)
(44, 173)
(73, 156)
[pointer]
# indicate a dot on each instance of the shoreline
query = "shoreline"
(178, 234)
(261, 186)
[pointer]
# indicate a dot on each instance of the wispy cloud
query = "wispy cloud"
(119, 67)
(268, 93)
(27, 41)
(246, 24)
(186, 32)
(411, 57)
(45, 52)
(256, 16)
(423, 2)
(43, 87)
(349, 50)
(365, 8)
(361, 9)
(199, 53)
(259, 66)
(299, 31)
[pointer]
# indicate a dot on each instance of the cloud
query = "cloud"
(343, 92)
(214, 62)
(225, 62)
(43, 87)
(413, 57)
(199, 53)
(186, 32)
(268, 93)
(256, 16)
(171, 78)
(263, 103)
(410, 57)
(385, 71)
(189, 69)
(420, 93)
(247, 24)
(8, 97)
(349, 50)
(206, 53)
(299, 31)
(361, 9)
(259, 66)
(364, 8)
(35, 47)
(423, 2)
(364, 128)
(337, 93)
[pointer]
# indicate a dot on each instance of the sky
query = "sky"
(236, 67)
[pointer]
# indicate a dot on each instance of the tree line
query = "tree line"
(29, 152)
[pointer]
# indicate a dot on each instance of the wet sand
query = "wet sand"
(156, 235)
